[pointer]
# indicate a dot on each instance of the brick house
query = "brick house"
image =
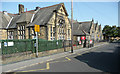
(53, 21)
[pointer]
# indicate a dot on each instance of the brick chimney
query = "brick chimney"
(21, 8)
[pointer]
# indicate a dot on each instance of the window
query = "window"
(21, 32)
(33, 34)
(54, 33)
(10, 35)
(51, 33)
(68, 34)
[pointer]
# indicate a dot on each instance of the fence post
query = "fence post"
(64, 45)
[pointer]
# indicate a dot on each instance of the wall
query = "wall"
(3, 34)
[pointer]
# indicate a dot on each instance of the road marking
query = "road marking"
(68, 58)
(23, 67)
(79, 54)
(47, 67)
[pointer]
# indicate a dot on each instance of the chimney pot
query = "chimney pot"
(37, 8)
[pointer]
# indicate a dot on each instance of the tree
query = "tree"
(118, 31)
(114, 31)
(107, 30)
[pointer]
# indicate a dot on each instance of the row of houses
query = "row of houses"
(89, 29)
(54, 25)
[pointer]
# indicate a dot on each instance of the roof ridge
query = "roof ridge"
(52, 5)
(46, 7)
(86, 22)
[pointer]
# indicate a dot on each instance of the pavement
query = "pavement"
(46, 60)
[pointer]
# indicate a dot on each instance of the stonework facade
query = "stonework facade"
(57, 28)
(3, 34)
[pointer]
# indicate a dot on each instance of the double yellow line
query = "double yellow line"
(47, 65)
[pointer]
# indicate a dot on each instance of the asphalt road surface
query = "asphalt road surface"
(104, 58)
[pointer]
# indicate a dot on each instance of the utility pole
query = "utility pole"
(71, 26)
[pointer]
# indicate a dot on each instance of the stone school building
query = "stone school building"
(53, 21)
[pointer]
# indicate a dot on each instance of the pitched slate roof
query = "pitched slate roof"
(86, 26)
(99, 28)
(41, 17)
(24, 17)
(78, 29)
(13, 22)
(44, 14)
(95, 25)
(4, 20)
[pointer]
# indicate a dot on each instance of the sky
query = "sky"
(106, 13)
(119, 14)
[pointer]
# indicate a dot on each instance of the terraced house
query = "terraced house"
(53, 21)
(83, 29)
(98, 32)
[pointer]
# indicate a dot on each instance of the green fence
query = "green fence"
(49, 45)
(17, 46)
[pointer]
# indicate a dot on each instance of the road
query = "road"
(104, 58)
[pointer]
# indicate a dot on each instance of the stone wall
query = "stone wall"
(28, 55)
(3, 34)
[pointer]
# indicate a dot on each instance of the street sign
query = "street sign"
(80, 42)
(37, 28)
(90, 41)
(83, 38)
(98, 36)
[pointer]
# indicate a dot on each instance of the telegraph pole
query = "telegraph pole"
(71, 26)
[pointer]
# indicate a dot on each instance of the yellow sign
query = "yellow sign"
(98, 35)
(37, 28)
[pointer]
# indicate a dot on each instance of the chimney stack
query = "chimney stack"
(21, 8)
(37, 8)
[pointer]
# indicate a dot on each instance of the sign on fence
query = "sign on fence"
(80, 42)
(5, 44)
(57, 42)
(0, 45)
(10, 43)
(83, 38)
(90, 41)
